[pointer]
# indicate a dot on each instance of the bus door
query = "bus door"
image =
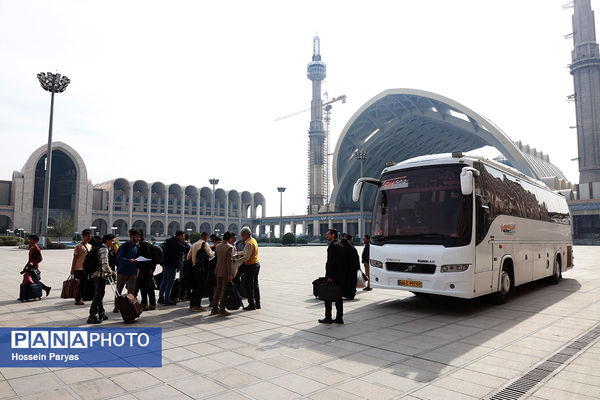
(483, 268)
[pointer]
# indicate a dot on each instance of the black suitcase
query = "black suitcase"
(33, 291)
(177, 291)
(157, 280)
(316, 283)
(329, 292)
(233, 300)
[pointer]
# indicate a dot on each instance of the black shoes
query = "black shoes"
(338, 321)
(170, 303)
(367, 289)
(326, 320)
(258, 306)
(48, 291)
(93, 320)
(250, 307)
(103, 317)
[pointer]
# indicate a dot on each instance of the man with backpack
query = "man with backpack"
(99, 272)
(199, 256)
(175, 252)
(146, 272)
(126, 268)
(79, 254)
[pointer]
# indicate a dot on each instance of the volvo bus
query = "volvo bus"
(465, 226)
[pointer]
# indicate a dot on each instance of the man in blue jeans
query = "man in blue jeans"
(175, 253)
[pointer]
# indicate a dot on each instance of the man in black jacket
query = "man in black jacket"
(175, 253)
(366, 259)
(145, 274)
(351, 267)
(335, 273)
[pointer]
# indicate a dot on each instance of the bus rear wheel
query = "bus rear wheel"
(557, 275)
(506, 286)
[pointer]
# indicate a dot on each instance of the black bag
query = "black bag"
(35, 274)
(177, 291)
(233, 300)
(243, 288)
(91, 263)
(316, 283)
(33, 291)
(157, 254)
(329, 292)
(202, 260)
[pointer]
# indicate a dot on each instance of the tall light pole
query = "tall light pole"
(213, 182)
(53, 83)
(361, 156)
(281, 190)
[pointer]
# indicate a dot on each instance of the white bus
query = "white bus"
(465, 226)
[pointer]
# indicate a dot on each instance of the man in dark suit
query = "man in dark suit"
(334, 272)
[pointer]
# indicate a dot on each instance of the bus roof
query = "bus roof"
(459, 158)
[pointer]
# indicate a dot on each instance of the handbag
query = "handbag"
(70, 288)
(361, 279)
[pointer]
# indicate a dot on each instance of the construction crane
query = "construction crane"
(342, 98)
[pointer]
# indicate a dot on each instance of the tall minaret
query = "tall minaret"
(316, 133)
(585, 69)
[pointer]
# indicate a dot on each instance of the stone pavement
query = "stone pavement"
(393, 345)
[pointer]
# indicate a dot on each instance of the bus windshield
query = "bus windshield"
(422, 206)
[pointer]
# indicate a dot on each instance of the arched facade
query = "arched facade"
(155, 207)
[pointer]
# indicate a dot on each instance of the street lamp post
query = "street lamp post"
(53, 83)
(281, 190)
(361, 156)
(213, 182)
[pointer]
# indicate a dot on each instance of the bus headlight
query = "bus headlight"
(454, 267)
(376, 264)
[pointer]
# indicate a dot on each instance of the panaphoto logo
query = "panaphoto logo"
(72, 339)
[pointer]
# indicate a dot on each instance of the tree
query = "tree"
(63, 226)
(288, 238)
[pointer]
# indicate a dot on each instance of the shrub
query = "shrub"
(288, 239)
(55, 246)
(301, 241)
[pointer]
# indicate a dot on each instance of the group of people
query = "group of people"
(342, 268)
(205, 269)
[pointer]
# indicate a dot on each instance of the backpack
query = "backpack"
(157, 254)
(163, 246)
(202, 260)
(91, 263)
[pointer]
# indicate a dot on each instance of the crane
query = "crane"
(342, 98)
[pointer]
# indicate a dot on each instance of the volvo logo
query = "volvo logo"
(410, 268)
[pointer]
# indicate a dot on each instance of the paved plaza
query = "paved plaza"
(393, 345)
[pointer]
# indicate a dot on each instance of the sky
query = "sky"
(184, 91)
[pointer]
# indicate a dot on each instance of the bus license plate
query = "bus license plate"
(410, 283)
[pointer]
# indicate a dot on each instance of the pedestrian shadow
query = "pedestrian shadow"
(422, 337)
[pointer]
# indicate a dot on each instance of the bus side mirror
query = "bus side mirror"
(466, 182)
(356, 189)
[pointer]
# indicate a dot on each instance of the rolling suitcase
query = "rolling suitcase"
(33, 291)
(127, 304)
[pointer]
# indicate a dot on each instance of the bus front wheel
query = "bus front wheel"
(506, 286)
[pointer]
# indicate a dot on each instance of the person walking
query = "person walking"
(212, 280)
(126, 264)
(33, 264)
(175, 252)
(199, 257)
(99, 278)
(366, 253)
(335, 273)
(77, 271)
(224, 273)
(145, 273)
(251, 269)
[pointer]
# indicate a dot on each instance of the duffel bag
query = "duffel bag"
(70, 288)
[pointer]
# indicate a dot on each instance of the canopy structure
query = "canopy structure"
(399, 124)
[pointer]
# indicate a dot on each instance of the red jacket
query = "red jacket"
(35, 257)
